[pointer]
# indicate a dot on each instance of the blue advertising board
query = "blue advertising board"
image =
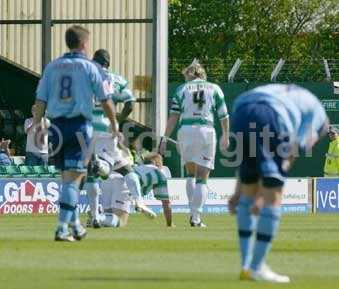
(326, 195)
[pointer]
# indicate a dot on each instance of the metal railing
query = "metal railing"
(262, 70)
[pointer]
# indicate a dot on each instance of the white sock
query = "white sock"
(190, 187)
(133, 184)
(111, 220)
(93, 190)
(107, 194)
(198, 200)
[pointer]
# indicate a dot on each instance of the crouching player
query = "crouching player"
(274, 121)
(116, 201)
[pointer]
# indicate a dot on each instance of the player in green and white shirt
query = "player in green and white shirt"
(107, 149)
(153, 178)
(194, 104)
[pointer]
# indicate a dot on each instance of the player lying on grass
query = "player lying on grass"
(116, 198)
(274, 121)
(107, 148)
(195, 103)
(66, 92)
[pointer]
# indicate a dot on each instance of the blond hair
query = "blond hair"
(154, 158)
(194, 70)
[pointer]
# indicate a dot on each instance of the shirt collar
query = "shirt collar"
(75, 54)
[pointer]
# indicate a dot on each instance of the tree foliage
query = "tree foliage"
(298, 30)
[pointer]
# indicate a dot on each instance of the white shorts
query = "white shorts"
(106, 147)
(197, 144)
(115, 193)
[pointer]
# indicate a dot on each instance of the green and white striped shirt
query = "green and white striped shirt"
(153, 178)
(196, 101)
(121, 94)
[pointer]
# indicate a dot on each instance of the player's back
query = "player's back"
(198, 100)
(69, 84)
(101, 123)
(150, 175)
(300, 112)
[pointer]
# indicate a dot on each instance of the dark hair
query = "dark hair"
(102, 57)
(75, 35)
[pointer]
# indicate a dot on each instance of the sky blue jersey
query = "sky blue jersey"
(299, 111)
(68, 85)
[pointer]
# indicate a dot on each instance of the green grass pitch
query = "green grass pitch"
(146, 254)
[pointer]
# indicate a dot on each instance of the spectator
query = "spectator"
(37, 142)
(331, 168)
(5, 153)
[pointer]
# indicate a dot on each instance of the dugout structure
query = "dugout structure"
(134, 31)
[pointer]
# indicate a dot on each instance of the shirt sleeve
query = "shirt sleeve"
(120, 82)
(28, 124)
(311, 126)
(175, 106)
(126, 95)
(42, 89)
(220, 104)
(101, 84)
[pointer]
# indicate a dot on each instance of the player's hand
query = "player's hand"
(224, 143)
(119, 136)
(162, 146)
(233, 202)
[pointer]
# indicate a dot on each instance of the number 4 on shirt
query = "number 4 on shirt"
(199, 98)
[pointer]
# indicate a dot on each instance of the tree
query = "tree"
(297, 30)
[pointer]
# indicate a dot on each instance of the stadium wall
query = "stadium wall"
(130, 44)
(304, 167)
(300, 195)
(40, 195)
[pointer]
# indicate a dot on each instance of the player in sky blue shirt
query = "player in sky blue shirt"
(272, 122)
(66, 93)
(294, 105)
(68, 86)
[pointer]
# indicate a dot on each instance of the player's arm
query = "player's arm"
(225, 133)
(166, 205)
(42, 94)
(223, 118)
(109, 109)
(174, 116)
(103, 90)
(171, 124)
(125, 95)
(126, 111)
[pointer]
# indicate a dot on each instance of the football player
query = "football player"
(107, 148)
(195, 103)
(153, 177)
(65, 92)
(274, 121)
